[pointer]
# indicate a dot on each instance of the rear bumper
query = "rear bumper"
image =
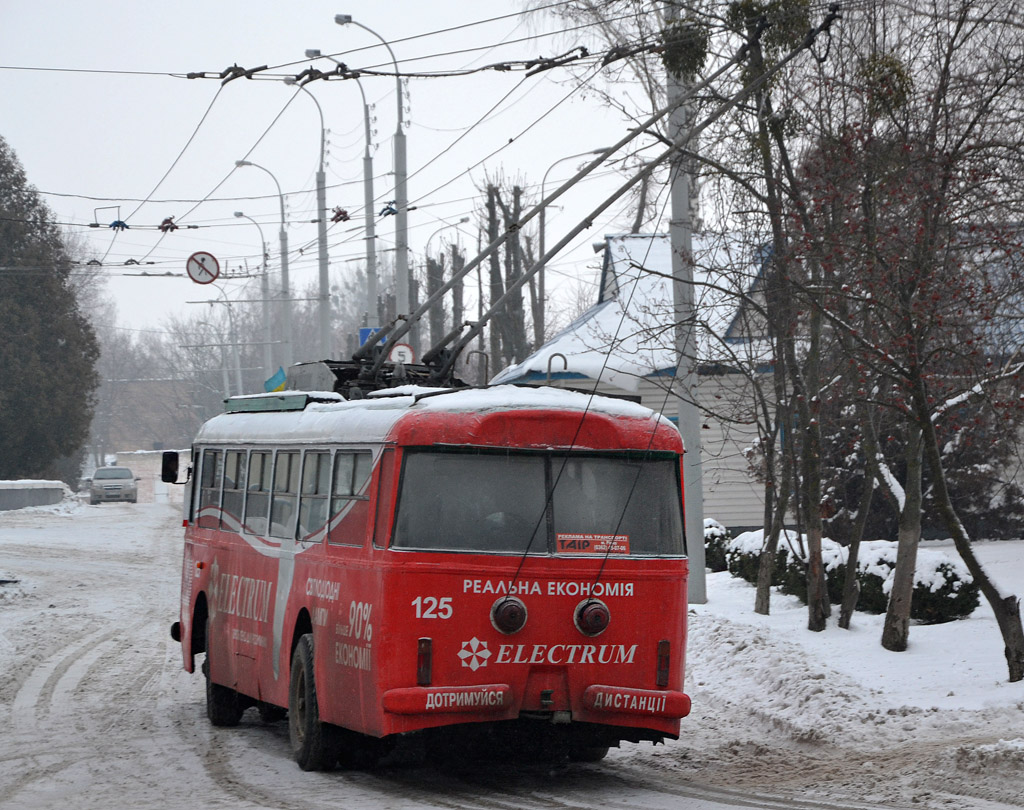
(497, 698)
(645, 702)
(489, 698)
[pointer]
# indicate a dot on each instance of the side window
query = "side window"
(257, 502)
(344, 463)
(349, 497)
(234, 489)
(209, 489)
(316, 479)
(361, 474)
(283, 512)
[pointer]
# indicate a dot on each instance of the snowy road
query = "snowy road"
(97, 712)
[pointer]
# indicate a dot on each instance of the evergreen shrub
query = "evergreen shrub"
(943, 588)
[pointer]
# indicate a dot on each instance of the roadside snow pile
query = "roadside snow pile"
(69, 506)
(779, 708)
(1006, 756)
(778, 685)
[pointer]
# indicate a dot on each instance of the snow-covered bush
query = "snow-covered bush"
(743, 554)
(943, 588)
(715, 538)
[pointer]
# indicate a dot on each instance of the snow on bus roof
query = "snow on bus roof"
(511, 397)
(372, 418)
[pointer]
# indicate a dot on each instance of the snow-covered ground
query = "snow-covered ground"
(937, 725)
(95, 711)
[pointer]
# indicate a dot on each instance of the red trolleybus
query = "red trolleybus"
(494, 566)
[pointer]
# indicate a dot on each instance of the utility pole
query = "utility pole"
(286, 295)
(268, 359)
(689, 420)
(324, 294)
(369, 214)
(324, 297)
(402, 280)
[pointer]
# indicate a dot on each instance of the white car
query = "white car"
(113, 484)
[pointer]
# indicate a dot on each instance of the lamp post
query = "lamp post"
(232, 341)
(268, 361)
(444, 227)
(401, 192)
(324, 295)
(436, 317)
(543, 208)
(688, 417)
(223, 360)
(368, 214)
(286, 296)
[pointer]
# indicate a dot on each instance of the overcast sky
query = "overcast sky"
(107, 133)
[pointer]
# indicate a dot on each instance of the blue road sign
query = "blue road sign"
(365, 332)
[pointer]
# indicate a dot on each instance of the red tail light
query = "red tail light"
(424, 656)
(664, 658)
(592, 617)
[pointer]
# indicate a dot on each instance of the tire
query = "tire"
(313, 742)
(224, 706)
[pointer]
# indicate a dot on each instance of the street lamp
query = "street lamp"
(462, 221)
(232, 341)
(324, 298)
(401, 192)
(285, 291)
(543, 208)
(268, 362)
(437, 327)
(368, 203)
(223, 359)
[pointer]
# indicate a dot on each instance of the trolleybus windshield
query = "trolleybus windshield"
(499, 502)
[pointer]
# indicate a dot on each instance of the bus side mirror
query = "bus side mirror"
(169, 467)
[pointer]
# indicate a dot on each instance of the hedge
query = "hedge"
(943, 588)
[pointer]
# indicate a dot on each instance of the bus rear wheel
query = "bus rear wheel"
(312, 741)
(224, 706)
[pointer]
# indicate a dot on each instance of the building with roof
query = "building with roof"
(625, 344)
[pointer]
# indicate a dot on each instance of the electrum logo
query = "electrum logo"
(474, 653)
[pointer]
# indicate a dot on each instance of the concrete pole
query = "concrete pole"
(401, 226)
(236, 360)
(401, 175)
(224, 370)
(324, 298)
(268, 338)
(268, 359)
(286, 295)
(369, 218)
(689, 420)
(324, 292)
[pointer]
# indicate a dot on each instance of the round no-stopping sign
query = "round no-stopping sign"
(202, 267)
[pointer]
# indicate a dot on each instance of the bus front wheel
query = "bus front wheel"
(312, 741)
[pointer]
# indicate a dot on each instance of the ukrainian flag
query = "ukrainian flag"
(276, 382)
